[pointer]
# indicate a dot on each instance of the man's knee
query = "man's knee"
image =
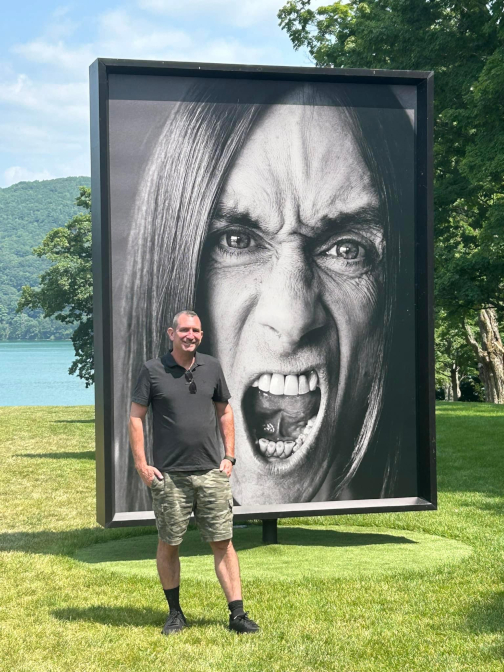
(222, 546)
(167, 550)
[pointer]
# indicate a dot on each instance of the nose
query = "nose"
(289, 304)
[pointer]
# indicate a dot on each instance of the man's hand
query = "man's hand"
(226, 467)
(147, 473)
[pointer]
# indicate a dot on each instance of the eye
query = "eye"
(346, 249)
(238, 241)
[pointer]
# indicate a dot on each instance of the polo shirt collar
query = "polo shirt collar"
(168, 361)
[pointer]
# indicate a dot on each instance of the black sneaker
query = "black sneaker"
(175, 622)
(243, 624)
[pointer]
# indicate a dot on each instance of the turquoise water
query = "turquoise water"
(35, 373)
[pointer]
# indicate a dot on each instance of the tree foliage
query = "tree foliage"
(66, 287)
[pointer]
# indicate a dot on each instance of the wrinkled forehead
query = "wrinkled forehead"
(303, 157)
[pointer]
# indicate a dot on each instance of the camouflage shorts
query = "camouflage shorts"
(207, 493)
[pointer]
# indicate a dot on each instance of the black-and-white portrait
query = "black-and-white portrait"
(284, 214)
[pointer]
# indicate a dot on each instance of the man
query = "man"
(187, 392)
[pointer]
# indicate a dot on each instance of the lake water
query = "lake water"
(35, 373)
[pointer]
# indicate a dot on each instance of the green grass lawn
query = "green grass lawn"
(60, 613)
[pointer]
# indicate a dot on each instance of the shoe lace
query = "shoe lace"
(243, 617)
(173, 617)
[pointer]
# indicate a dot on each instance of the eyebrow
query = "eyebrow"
(237, 217)
(368, 217)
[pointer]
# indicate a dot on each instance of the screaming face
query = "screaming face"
(292, 288)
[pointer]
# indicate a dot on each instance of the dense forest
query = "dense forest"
(28, 211)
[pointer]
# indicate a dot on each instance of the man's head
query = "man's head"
(185, 332)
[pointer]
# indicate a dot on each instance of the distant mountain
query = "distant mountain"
(28, 211)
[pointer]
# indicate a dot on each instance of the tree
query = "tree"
(463, 42)
(455, 359)
(66, 287)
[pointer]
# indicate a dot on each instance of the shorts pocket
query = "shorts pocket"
(156, 483)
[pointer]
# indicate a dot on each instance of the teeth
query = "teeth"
(290, 385)
(284, 449)
(303, 385)
(277, 384)
(264, 382)
(288, 447)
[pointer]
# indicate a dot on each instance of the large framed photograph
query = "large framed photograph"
(291, 208)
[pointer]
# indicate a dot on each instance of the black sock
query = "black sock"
(172, 596)
(236, 608)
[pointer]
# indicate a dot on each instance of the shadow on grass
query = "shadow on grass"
(495, 507)
(137, 549)
(66, 543)
(488, 618)
(83, 455)
(121, 616)
(310, 537)
(74, 422)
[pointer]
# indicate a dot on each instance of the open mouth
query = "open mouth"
(280, 412)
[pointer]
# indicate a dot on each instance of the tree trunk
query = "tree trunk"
(490, 355)
(448, 391)
(455, 381)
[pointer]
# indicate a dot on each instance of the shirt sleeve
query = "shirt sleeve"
(142, 391)
(221, 392)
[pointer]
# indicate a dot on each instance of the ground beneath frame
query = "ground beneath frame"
(314, 551)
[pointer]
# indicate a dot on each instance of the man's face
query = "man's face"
(293, 290)
(187, 336)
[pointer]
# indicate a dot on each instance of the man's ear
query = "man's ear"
(170, 333)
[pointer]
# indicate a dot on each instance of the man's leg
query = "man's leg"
(227, 569)
(168, 565)
(172, 501)
(214, 517)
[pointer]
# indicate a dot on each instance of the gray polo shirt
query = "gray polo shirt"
(185, 424)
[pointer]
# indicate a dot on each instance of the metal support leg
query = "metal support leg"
(269, 531)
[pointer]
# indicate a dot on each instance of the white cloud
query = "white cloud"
(20, 137)
(18, 174)
(75, 60)
(241, 13)
(59, 101)
(120, 35)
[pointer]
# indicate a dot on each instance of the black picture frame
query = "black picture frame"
(100, 71)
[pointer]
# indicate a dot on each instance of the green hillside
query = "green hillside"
(28, 210)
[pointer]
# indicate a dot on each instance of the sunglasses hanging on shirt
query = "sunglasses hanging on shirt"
(190, 379)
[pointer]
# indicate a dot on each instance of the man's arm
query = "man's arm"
(136, 434)
(226, 426)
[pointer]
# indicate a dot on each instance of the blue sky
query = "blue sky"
(47, 48)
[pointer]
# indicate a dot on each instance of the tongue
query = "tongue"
(278, 417)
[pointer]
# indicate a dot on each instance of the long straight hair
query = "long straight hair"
(178, 193)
